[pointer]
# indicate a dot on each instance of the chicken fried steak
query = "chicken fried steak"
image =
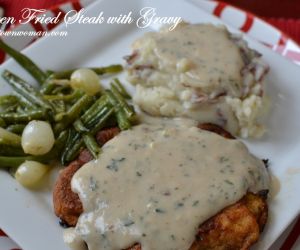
(236, 227)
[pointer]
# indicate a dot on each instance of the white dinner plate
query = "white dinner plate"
(27, 216)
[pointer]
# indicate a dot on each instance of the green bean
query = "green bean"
(60, 82)
(94, 109)
(47, 88)
(12, 161)
(58, 146)
(66, 74)
(74, 112)
(75, 141)
(100, 71)
(15, 161)
(79, 127)
(10, 109)
(55, 87)
(6, 150)
(59, 106)
(20, 110)
(121, 88)
(74, 152)
(123, 104)
(61, 89)
(78, 143)
(9, 138)
(49, 72)
(16, 128)
(123, 122)
(91, 145)
(72, 146)
(102, 121)
(122, 119)
(112, 99)
(26, 90)
(8, 103)
(75, 95)
(2, 123)
(111, 69)
(94, 120)
(25, 62)
(59, 116)
(24, 102)
(8, 100)
(24, 117)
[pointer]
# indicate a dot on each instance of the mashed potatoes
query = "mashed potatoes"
(202, 72)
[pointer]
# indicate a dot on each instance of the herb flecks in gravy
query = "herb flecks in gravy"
(155, 184)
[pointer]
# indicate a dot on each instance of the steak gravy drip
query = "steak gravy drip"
(155, 184)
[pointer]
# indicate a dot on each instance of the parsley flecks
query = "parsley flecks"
(159, 210)
(114, 165)
(229, 182)
(128, 222)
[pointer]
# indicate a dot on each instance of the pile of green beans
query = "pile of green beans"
(74, 115)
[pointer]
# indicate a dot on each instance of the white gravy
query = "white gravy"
(155, 184)
(203, 56)
(213, 61)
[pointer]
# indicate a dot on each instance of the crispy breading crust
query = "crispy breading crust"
(67, 205)
(236, 227)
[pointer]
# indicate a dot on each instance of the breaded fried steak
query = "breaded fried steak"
(67, 205)
(236, 227)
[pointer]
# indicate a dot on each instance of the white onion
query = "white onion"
(37, 138)
(86, 80)
(30, 173)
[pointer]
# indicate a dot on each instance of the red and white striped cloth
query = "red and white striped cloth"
(247, 22)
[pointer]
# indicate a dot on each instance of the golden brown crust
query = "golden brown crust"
(258, 207)
(67, 205)
(236, 227)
